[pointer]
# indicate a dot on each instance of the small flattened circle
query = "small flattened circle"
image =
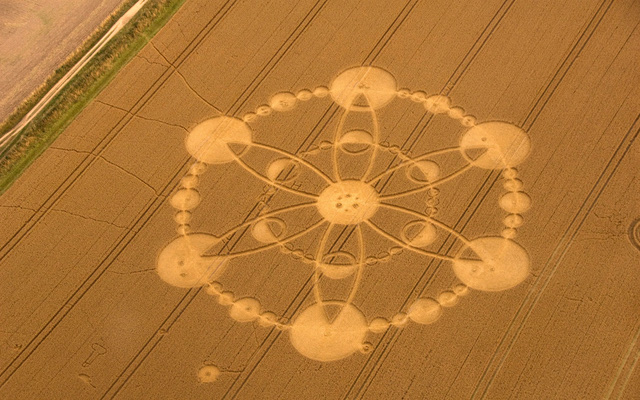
(209, 141)
(495, 145)
(185, 199)
(634, 233)
(419, 233)
(264, 110)
(304, 95)
(515, 202)
(379, 325)
(268, 230)
(337, 271)
(513, 185)
(226, 298)
(400, 320)
(208, 374)
(246, 309)
(513, 220)
(283, 170)
(268, 319)
(189, 181)
(338, 265)
(503, 264)
(356, 141)
(423, 171)
(181, 263)
(377, 86)
(198, 168)
(315, 337)
(425, 311)
(321, 91)
(509, 233)
(461, 289)
(283, 101)
(448, 298)
(438, 104)
(348, 202)
(456, 112)
(182, 217)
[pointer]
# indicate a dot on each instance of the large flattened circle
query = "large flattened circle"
(181, 263)
(377, 86)
(315, 337)
(503, 264)
(504, 145)
(209, 141)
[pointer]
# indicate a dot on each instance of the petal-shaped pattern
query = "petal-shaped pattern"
(419, 232)
(360, 143)
(422, 172)
(282, 169)
(326, 266)
(269, 230)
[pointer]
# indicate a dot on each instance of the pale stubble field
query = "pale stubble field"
(36, 38)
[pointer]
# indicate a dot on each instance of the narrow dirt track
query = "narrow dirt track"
(84, 313)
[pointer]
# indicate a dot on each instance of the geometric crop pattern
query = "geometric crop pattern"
(348, 194)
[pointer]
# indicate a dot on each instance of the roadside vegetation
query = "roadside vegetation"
(74, 97)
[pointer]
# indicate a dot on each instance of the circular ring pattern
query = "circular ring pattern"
(329, 330)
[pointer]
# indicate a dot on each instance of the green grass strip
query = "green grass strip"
(84, 87)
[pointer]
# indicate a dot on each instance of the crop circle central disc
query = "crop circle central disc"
(348, 202)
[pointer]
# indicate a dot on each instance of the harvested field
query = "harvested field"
(414, 200)
(36, 37)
